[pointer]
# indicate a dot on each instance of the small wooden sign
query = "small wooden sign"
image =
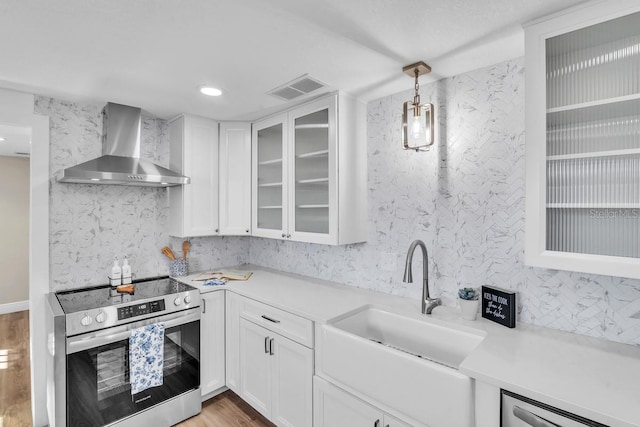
(499, 305)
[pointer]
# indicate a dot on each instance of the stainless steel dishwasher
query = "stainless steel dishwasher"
(520, 411)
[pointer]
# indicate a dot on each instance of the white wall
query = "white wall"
(465, 200)
(14, 229)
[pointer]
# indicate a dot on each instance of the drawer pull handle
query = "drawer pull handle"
(270, 319)
(266, 345)
(271, 347)
(531, 419)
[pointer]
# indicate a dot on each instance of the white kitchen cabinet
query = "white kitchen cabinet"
(212, 342)
(235, 179)
(276, 375)
(334, 407)
(193, 208)
(309, 173)
(583, 139)
(232, 340)
(255, 367)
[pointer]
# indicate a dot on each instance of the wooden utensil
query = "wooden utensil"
(185, 249)
(168, 253)
(126, 289)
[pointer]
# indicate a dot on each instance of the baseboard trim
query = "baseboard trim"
(12, 307)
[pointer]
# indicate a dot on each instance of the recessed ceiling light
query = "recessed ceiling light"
(210, 91)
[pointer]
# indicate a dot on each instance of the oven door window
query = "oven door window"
(98, 389)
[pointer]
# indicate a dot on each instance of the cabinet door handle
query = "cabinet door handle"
(271, 347)
(266, 345)
(377, 423)
(270, 319)
(204, 306)
(288, 236)
(531, 419)
(284, 235)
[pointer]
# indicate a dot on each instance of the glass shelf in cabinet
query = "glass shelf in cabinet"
(594, 154)
(592, 104)
(313, 154)
(313, 181)
(270, 162)
(593, 205)
(270, 184)
(312, 206)
(312, 126)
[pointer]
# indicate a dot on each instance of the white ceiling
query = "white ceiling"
(155, 53)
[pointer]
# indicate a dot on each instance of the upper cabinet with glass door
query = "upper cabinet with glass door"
(310, 173)
(583, 140)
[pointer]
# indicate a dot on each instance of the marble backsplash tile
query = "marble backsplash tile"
(466, 200)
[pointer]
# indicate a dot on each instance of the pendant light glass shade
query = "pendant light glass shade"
(417, 126)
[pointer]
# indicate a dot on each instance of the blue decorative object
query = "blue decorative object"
(468, 294)
(179, 267)
(146, 357)
(215, 282)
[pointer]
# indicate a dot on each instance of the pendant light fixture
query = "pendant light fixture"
(417, 118)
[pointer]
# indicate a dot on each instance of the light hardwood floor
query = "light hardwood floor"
(15, 384)
(226, 410)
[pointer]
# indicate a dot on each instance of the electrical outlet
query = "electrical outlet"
(388, 261)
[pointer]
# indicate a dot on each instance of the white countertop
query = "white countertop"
(594, 378)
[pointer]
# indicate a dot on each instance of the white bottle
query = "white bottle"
(116, 273)
(126, 272)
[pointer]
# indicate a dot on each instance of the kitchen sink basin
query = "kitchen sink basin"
(405, 364)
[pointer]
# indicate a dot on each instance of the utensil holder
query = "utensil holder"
(179, 267)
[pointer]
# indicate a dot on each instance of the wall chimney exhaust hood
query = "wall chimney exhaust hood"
(120, 163)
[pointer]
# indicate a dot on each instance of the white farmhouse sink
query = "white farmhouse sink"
(406, 365)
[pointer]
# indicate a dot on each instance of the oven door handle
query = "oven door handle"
(119, 333)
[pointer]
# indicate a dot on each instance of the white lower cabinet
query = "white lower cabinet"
(232, 340)
(275, 375)
(212, 342)
(334, 407)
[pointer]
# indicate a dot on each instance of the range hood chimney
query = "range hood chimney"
(120, 163)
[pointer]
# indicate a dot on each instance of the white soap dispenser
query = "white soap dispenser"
(116, 273)
(126, 272)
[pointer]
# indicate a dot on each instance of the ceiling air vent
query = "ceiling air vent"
(296, 88)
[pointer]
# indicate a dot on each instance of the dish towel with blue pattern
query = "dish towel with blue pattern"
(146, 357)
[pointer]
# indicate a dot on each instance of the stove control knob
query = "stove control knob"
(101, 317)
(187, 299)
(177, 301)
(86, 320)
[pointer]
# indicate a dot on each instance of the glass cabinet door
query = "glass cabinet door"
(311, 172)
(270, 177)
(593, 139)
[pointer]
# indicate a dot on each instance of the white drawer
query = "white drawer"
(282, 322)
